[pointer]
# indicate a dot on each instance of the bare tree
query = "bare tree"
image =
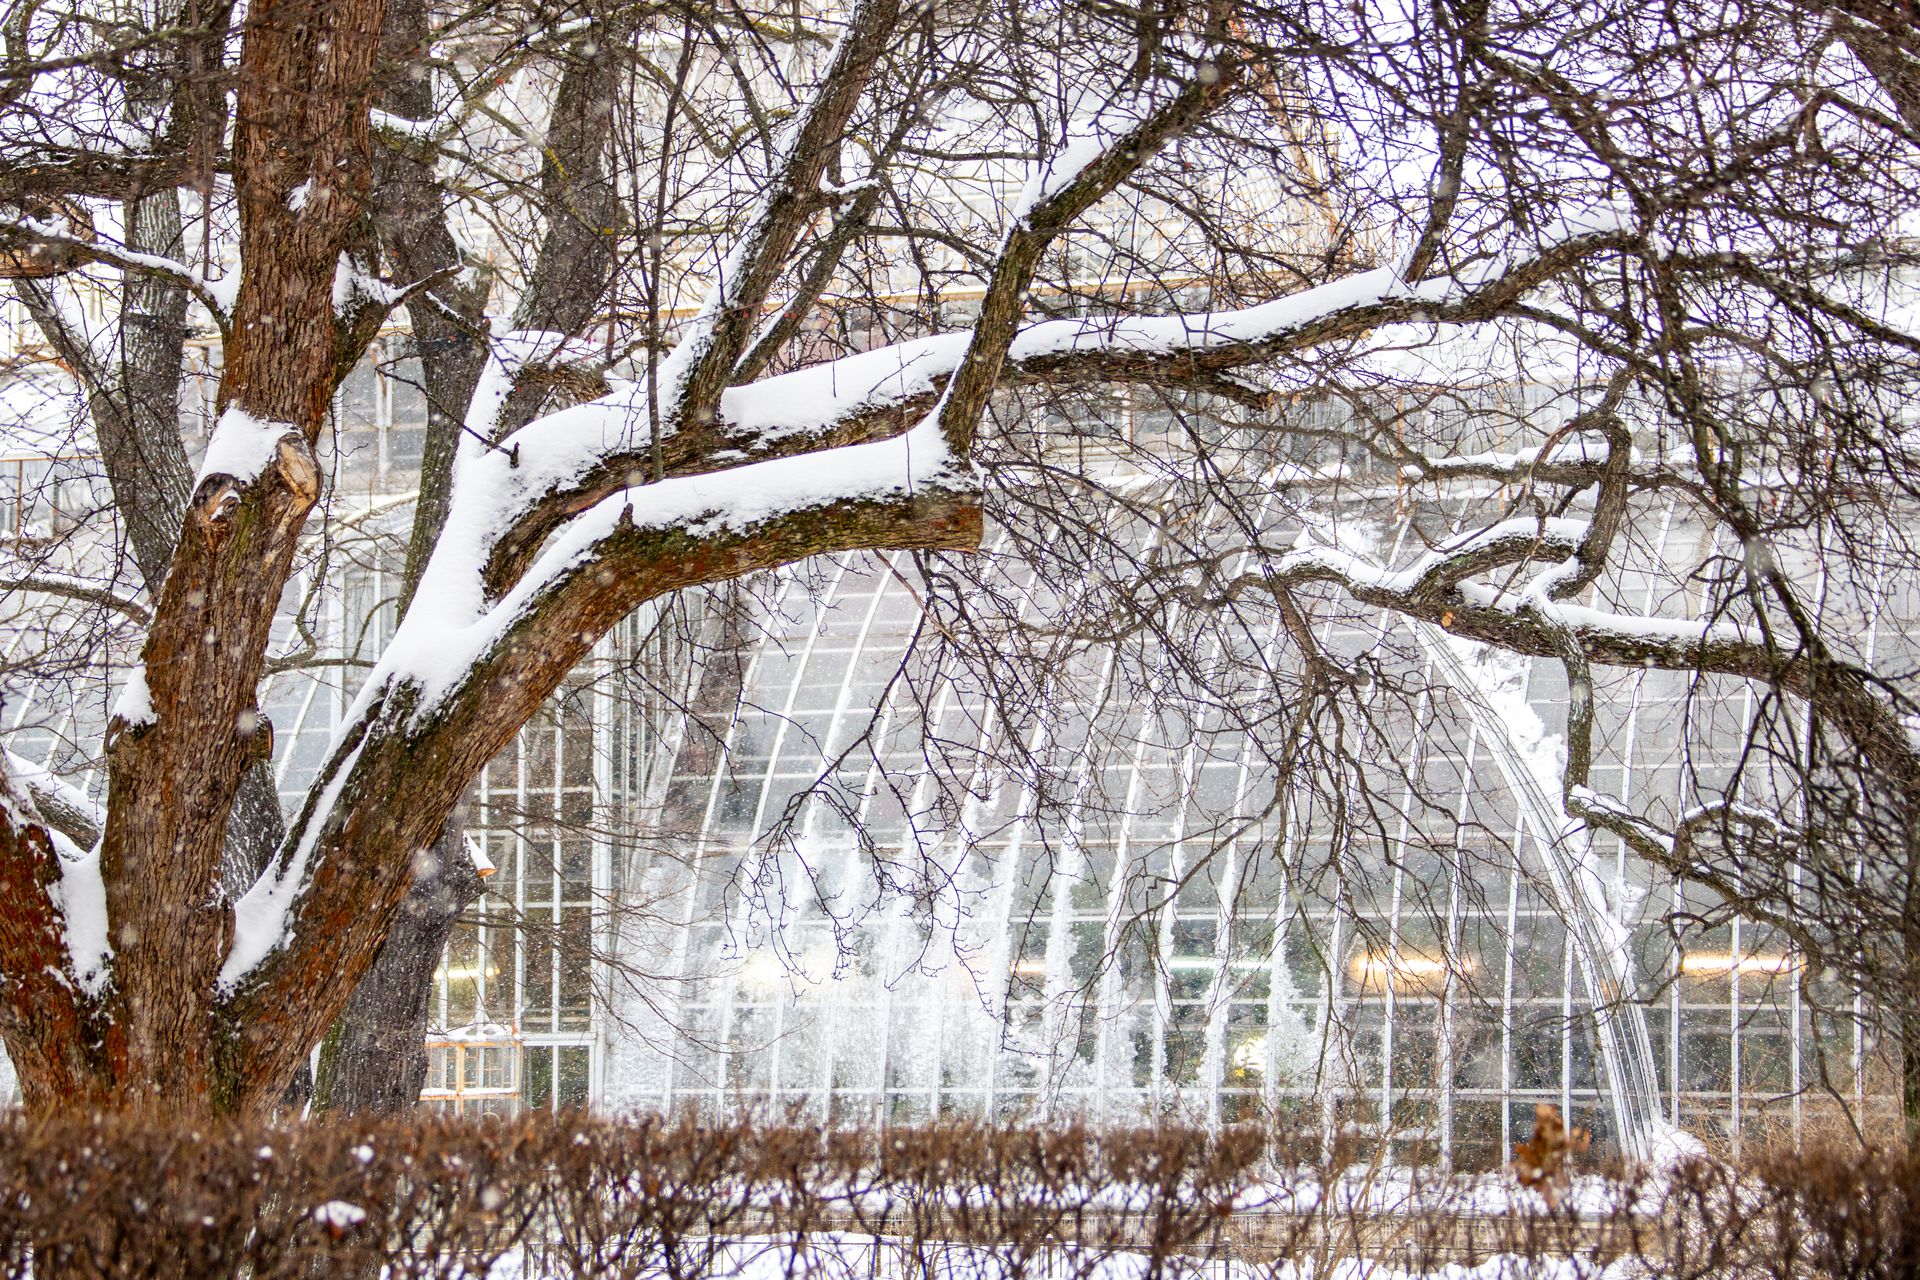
(1244, 206)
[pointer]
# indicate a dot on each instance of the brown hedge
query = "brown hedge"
(686, 1200)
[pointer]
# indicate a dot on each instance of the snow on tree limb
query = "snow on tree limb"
(451, 622)
(420, 764)
(571, 459)
(33, 232)
(47, 912)
(18, 576)
(693, 376)
(65, 807)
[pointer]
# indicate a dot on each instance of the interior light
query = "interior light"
(1715, 964)
(1251, 1054)
(1372, 967)
(454, 973)
(1180, 963)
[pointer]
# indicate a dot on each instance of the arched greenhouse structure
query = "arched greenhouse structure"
(808, 845)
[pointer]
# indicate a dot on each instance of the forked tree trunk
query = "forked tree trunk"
(153, 1038)
(373, 1059)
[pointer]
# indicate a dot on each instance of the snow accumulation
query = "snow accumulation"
(41, 781)
(1628, 627)
(808, 399)
(1589, 449)
(350, 284)
(339, 1215)
(478, 1031)
(225, 291)
(260, 916)
(1094, 130)
(449, 627)
(135, 703)
(509, 352)
(220, 293)
(403, 126)
(80, 895)
(813, 398)
(1363, 570)
(240, 446)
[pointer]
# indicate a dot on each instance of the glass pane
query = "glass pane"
(536, 1076)
(575, 1062)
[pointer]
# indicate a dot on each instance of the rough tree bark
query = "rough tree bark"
(373, 1062)
(154, 1031)
(134, 404)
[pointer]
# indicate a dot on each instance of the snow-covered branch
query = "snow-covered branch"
(461, 677)
(569, 460)
(43, 943)
(65, 807)
(29, 233)
(693, 376)
(17, 576)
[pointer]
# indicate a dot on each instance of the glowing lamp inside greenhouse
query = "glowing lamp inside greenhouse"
(1181, 964)
(1709, 964)
(455, 972)
(1371, 968)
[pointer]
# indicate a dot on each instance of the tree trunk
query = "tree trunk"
(1910, 1074)
(145, 461)
(157, 1035)
(375, 1062)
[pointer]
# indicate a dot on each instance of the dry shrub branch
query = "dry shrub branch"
(688, 1200)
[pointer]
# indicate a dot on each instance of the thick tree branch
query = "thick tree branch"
(53, 1034)
(703, 364)
(876, 394)
(66, 586)
(300, 151)
(335, 890)
(22, 233)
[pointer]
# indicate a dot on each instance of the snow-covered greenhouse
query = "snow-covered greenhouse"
(814, 842)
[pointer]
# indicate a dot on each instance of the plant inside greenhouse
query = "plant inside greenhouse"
(964, 568)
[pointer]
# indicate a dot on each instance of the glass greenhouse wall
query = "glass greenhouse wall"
(1151, 950)
(767, 849)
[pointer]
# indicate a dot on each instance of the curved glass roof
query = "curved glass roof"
(893, 879)
(894, 851)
